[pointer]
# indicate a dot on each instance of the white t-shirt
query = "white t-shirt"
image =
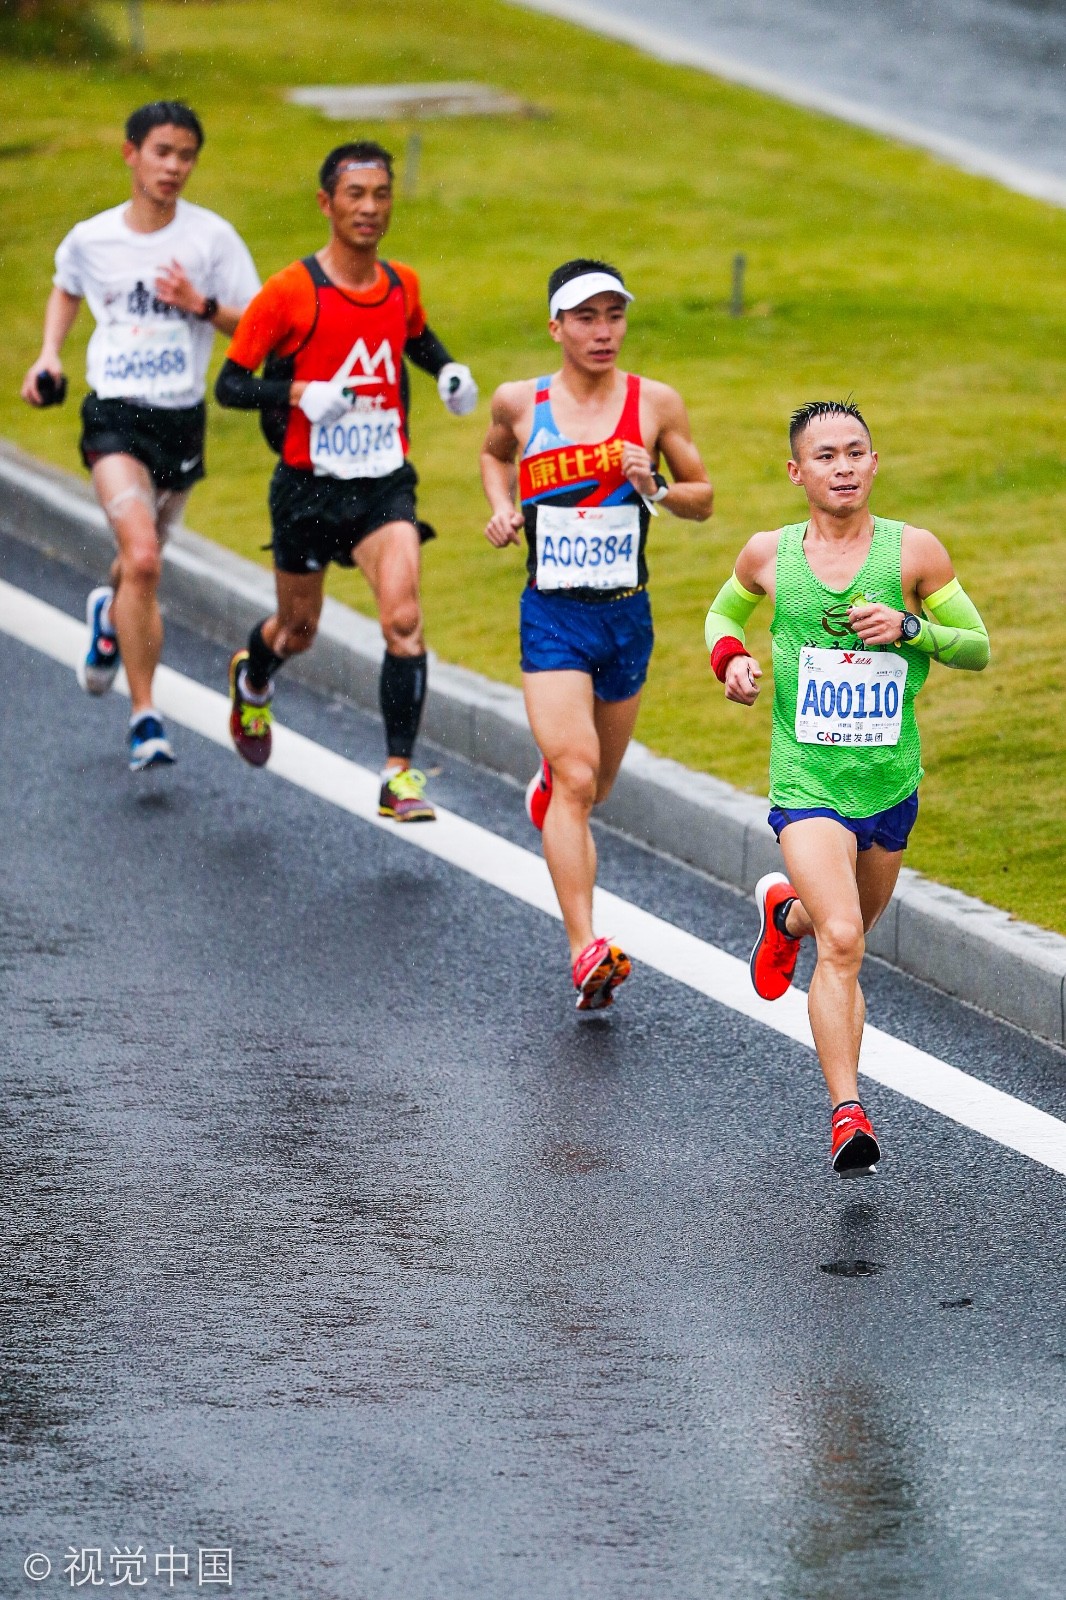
(142, 350)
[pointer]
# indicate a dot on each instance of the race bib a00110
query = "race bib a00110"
(364, 444)
(849, 697)
(587, 547)
(146, 361)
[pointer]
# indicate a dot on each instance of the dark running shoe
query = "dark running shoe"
(249, 723)
(149, 745)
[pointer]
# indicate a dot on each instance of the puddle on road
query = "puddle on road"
(852, 1269)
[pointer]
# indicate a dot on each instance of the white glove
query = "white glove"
(456, 387)
(324, 402)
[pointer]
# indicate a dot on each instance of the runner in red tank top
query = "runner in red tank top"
(589, 441)
(333, 331)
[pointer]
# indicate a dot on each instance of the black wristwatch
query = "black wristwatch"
(210, 310)
(909, 628)
(662, 488)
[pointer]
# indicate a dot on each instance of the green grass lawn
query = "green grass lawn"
(938, 300)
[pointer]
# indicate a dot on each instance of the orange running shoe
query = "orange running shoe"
(249, 722)
(855, 1151)
(598, 971)
(539, 795)
(773, 960)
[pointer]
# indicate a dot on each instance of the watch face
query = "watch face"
(912, 627)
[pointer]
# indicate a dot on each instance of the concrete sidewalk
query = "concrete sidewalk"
(950, 940)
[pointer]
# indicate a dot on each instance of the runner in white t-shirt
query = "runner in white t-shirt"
(160, 276)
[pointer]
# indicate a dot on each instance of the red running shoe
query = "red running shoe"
(773, 960)
(855, 1151)
(538, 796)
(249, 724)
(598, 971)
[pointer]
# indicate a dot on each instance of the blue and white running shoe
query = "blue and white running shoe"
(96, 671)
(149, 745)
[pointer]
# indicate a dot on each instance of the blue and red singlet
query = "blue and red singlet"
(586, 526)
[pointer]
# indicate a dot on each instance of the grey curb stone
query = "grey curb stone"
(956, 943)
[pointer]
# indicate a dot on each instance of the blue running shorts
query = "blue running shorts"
(611, 640)
(890, 829)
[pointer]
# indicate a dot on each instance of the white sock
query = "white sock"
(254, 697)
(106, 625)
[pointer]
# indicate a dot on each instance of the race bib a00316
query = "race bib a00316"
(849, 697)
(364, 444)
(146, 360)
(587, 547)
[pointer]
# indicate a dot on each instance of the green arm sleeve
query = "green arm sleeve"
(956, 636)
(730, 613)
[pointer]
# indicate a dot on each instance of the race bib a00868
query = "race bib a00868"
(849, 697)
(587, 547)
(146, 360)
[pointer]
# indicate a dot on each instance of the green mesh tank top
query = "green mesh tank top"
(845, 766)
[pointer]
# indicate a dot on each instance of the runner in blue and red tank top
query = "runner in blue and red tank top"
(586, 443)
(333, 331)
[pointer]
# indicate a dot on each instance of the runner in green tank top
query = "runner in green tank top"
(861, 608)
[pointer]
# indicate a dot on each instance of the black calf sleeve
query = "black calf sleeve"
(262, 662)
(403, 692)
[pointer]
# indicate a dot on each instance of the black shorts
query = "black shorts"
(318, 520)
(169, 443)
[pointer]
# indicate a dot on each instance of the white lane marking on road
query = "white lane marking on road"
(519, 873)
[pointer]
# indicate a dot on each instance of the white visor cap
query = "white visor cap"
(578, 290)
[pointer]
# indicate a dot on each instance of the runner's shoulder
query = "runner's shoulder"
(208, 222)
(924, 559)
(757, 559)
(661, 396)
(511, 399)
(102, 225)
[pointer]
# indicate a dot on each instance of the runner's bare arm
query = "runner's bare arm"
(499, 474)
(956, 636)
(174, 288)
(691, 494)
(59, 316)
(752, 578)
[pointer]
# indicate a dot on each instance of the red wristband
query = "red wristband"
(723, 653)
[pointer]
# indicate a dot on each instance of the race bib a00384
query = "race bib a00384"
(849, 697)
(587, 547)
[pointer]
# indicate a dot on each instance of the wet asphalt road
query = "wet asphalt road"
(990, 72)
(331, 1235)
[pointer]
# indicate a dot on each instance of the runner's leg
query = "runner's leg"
(615, 721)
(292, 628)
(562, 718)
(125, 490)
(820, 858)
(390, 560)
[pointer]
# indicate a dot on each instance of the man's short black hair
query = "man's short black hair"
(803, 416)
(578, 269)
(367, 150)
(162, 114)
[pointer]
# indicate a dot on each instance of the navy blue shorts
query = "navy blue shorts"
(890, 829)
(611, 640)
